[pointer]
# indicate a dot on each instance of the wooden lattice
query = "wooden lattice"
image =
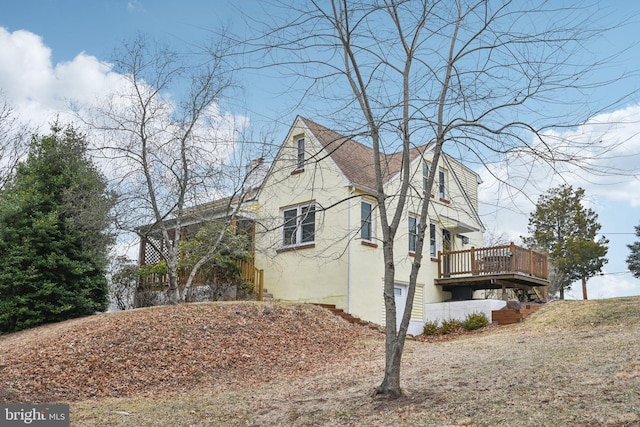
(154, 250)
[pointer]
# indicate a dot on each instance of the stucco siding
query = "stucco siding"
(339, 267)
(313, 272)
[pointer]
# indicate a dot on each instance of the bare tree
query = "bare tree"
(483, 78)
(123, 277)
(14, 138)
(170, 146)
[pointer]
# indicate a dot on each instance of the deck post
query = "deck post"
(439, 264)
(260, 277)
(474, 264)
(512, 249)
(546, 266)
(530, 262)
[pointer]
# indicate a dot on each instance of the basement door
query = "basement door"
(400, 292)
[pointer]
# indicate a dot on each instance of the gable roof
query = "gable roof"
(354, 159)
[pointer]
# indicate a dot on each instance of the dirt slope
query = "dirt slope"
(171, 349)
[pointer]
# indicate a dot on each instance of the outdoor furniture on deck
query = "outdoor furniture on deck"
(507, 266)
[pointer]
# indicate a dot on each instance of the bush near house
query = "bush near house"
(431, 328)
(472, 322)
(475, 321)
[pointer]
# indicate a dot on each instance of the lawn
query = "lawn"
(573, 363)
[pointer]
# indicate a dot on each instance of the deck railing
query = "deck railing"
(248, 272)
(253, 275)
(493, 260)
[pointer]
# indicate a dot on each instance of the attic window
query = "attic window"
(300, 153)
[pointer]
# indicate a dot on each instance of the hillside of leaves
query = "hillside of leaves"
(172, 349)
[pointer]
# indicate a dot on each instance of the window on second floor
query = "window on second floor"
(433, 247)
(442, 184)
(366, 220)
(300, 153)
(413, 233)
(425, 176)
(299, 225)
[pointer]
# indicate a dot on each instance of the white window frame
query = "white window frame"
(369, 221)
(299, 214)
(300, 157)
(442, 184)
(413, 234)
(433, 240)
(425, 176)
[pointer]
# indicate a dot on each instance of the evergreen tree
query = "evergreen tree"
(54, 214)
(633, 260)
(567, 231)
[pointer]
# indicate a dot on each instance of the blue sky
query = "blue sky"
(50, 48)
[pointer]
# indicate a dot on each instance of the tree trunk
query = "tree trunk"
(390, 385)
(561, 292)
(173, 292)
(584, 288)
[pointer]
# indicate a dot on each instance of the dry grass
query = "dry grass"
(572, 363)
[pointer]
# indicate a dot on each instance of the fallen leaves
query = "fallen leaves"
(173, 349)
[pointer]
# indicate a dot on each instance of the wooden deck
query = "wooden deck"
(495, 267)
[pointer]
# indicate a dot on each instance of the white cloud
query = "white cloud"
(38, 90)
(609, 286)
(135, 6)
(608, 147)
(25, 64)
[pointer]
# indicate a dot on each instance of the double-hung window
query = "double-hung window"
(299, 225)
(300, 153)
(425, 176)
(442, 184)
(366, 220)
(413, 233)
(433, 248)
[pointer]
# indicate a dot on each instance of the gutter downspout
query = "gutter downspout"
(349, 252)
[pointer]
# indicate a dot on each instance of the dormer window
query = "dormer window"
(300, 153)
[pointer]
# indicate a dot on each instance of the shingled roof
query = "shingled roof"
(354, 159)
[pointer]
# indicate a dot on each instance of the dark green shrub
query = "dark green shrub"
(475, 321)
(431, 328)
(450, 326)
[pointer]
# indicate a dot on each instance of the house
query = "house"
(317, 231)
(320, 235)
